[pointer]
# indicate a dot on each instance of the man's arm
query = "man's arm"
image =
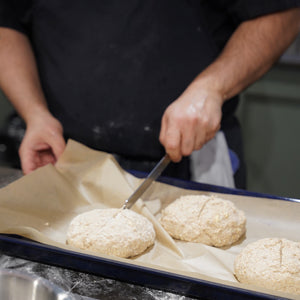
(43, 142)
(194, 118)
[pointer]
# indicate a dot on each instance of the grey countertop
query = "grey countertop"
(81, 285)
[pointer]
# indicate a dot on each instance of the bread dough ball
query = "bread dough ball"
(119, 232)
(204, 219)
(271, 263)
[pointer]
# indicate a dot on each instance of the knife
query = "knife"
(153, 175)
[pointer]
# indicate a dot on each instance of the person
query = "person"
(138, 78)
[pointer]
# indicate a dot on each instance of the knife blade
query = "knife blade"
(153, 175)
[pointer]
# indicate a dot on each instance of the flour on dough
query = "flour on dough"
(271, 263)
(204, 219)
(119, 232)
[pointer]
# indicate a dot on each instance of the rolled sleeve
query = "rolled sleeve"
(14, 14)
(243, 10)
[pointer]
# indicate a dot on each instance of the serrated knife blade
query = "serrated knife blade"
(153, 175)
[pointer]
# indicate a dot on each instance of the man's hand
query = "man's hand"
(194, 118)
(190, 121)
(43, 143)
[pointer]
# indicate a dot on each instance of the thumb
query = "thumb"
(58, 146)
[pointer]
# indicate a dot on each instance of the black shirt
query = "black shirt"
(110, 68)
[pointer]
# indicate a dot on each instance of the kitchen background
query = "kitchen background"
(269, 114)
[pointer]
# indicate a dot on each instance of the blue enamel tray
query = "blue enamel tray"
(17, 246)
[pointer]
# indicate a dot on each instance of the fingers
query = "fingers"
(58, 146)
(28, 161)
(192, 134)
(42, 144)
(181, 137)
(33, 158)
(170, 138)
(187, 125)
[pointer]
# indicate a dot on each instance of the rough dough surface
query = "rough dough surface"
(204, 219)
(122, 233)
(271, 263)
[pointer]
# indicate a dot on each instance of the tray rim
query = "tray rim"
(126, 272)
(193, 185)
(17, 246)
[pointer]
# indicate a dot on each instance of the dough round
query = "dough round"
(204, 219)
(271, 263)
(122, 233)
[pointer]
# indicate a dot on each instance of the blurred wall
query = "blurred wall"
(269, 113)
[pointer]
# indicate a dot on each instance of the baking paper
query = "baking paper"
(41, 205)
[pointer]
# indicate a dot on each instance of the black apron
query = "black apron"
(110, 68)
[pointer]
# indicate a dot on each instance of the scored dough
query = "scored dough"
(271, 263)
(112, 231)
(204, 219)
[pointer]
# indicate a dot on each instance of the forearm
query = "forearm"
(19, 78)
(254, 47)
(43, 142)
(195, 117)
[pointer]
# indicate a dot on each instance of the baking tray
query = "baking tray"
(18, 246)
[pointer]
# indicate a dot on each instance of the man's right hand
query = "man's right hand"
(42, 144)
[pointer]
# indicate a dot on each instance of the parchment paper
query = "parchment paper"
(41, 205)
